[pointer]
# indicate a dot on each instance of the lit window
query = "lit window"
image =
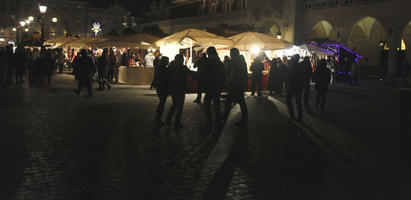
(403, 47)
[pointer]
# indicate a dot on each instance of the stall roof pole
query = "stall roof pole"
(191, 52)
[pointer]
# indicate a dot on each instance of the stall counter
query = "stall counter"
(136, 75)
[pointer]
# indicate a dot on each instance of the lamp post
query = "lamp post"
(43, 10)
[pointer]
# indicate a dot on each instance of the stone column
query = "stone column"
(394, 42)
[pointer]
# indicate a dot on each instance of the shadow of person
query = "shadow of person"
(220, 182)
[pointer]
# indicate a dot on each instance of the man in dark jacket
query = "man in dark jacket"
(322, 80)
(237, 84)
(160, 82)
(257, 68)
(214, 80)
(177, 86)
(306, 64)
(102, 71)
(199, 64)
(295, 79)
(86, 69)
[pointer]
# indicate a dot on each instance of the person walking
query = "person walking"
(237, 79)
(74, 65)
(86, 70)
(102, 71)
(112, 62)
(322, 81)
(200, 64)
(214, 79)
(295, 84)
(160, 82)
(308, 73)
(50, 65)
(61, 59)
(20, 60)
(257, 68)
(177, 86)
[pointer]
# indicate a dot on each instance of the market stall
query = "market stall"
(191, 40)
(136, 44)
(251, 44)
(187, 40)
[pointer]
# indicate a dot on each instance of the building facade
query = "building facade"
(369, 26)
(71, 18)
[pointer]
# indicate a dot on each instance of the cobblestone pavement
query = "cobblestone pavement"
(55, 145)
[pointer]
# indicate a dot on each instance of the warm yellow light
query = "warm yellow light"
(54, 20)
(31, 18)
(22, 23)
(26, 30)
(14, 29)
(255, 50)
(403, 47)
(42, 8)
(28, 21)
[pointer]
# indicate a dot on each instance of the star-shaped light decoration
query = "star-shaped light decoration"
(96, 28)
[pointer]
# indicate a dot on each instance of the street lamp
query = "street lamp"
(14, 29)
(26, 30)
(54, 20)
(22, 23)
(279, 34)
(31, 18)
(42, 8)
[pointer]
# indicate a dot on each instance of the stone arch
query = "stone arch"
(365, 35)
(323, 30)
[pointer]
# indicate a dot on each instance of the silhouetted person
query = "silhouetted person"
(160, 82)
(124, 60)
(237, 84)
(308, 73)
(10, 64)
(20, 60)
(273, 79)
(50, 65)
(355, 70)
(257, 68)
(86, 71)
(112, 62)
(214, 79)
(295, 84)
(156, 62)
(75, 66)
(322, 80)
(200, 64)
(177, 86)
(61, 59)
(102, 67)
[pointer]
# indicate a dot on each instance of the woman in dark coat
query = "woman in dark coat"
(161, 84)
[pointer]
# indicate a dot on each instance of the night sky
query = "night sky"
(135, 6)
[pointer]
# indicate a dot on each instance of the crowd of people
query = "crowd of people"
(39, 64)
(215, 76)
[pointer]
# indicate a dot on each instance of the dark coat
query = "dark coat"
(322, 78)
(237, 75)
(86, 68)
(276, 78)
(257, 69)
(177, 79)
(161, 79)
(214, 75)
(296, 77)
(20, 60)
